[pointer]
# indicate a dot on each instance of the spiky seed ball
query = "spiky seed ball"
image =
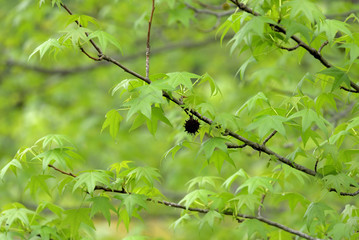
(191, 125)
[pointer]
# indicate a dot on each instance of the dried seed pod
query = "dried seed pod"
(191, 125)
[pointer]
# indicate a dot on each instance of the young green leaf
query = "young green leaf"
(91, 179)
(102, 205)
(113, 120)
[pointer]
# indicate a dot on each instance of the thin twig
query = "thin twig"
(261, 205)
(202, 210)
(349, 90)
(269, 137)
(232, 145)
(322, 46)
(148, 48)
(289, 48)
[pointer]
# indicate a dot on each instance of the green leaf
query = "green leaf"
(181, 78)
(13, 165)
(54, 140)
(58, 156)
(240, 173)
(83, 20)
(16, 214)
(148, 95)
(304, 8)
(316, 210)
(157, 114)
(249, 201)
(38, 182)
(132, 202)
(74, 218)
(199, 195)
(104, 38)
(332, 26)
(265, 124)
(91, 179)
(145, 174)
(102, 205)
(253, 183)
(293, 199)
(253, 226)
(254, 101)
(340, 182)
(203, 181)
(209, 146)
(181, 15)
(341, 231)
(118, 166)
(113, 119)
(51, 45)
(308, 117)
(209, 218)
(77, 35)
(214, 87)
(294, 27)
(339, 76)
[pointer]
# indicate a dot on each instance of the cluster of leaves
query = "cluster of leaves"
(321, 157)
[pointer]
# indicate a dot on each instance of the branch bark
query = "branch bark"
(238, 216)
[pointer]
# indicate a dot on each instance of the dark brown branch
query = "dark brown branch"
(148, 48)
(63, 172)
(261, 205)
(322, 46)
(232, 145)
(202, 210)
(254, 145)
(269, 137)
(349, 90)
(345, 193)
(312, 51)
(289, 48)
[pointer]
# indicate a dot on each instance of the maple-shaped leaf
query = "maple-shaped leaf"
(45, 232)
(264, 183)
(211, 144)
(54, 140)
(308, 117)
(132, 202)
(254, 226)
(104, 38)
(113, 119)
(74, 218)
(13, 165)
(145, 174)
(77, 36)
(339, 76)
(181, 78)
(304, 8)
(52, 45)
(203, 181)
(92, 178)
(316, 210)
(209, 218)
(267, 123)
(16, 213)
(249, 201)
(148, 95)
(200, 195)
(38, 182)
(103, 205)
(58, 156)
(340, 182)
(240, 173)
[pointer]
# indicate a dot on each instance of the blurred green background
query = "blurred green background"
(70, 95)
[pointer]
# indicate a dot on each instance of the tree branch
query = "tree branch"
(148, 48)
(312, 51)
(202, 210)
(254, 145)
